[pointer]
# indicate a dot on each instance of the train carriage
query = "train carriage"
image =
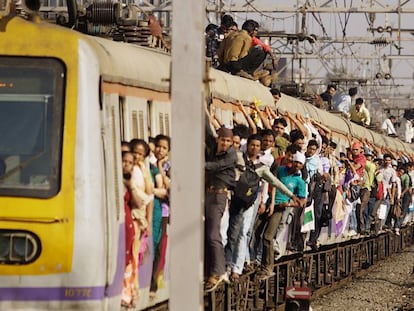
(70, 217)
(67, 100)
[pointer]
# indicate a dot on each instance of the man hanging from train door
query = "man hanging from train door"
(220, 166)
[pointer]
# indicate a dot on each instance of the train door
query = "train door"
(134, 118)
(160, 118)
(115, 240)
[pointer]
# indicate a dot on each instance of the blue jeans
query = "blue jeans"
(239, 222)
(252, 253)
(368, 212)
(353, 224)
(241, 251)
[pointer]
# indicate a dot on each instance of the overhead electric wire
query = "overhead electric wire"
(327, 52)
(250, 4)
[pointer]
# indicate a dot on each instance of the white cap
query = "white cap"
(299, 157)
(267, 159)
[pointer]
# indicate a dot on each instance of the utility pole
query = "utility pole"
(187, 187)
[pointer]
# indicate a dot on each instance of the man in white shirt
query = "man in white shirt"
(389, 180)
(388, 126)
(407, 130)
(344, 101)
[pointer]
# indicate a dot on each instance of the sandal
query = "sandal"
(212, 283)
(249, 267)
(264, 273)
(127, 305)
(235, 277)
(152, 296)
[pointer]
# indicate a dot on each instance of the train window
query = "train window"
(167, 124)
(135, 125)
(31, 122)
(161, 122)
(121, 116)
(141, 124)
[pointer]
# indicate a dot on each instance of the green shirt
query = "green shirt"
(281, 144)
(405, 181)
(370, 175)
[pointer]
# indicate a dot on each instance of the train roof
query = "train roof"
(150, 68)
(131, 64)
(339, 124)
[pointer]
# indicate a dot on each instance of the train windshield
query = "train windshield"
(31, 123)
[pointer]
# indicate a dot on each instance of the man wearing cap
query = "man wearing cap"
(220, 165)
(358, 159)
(357, 165)
(291, 178)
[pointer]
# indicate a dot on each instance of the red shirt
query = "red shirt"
(360, 159)
(257, 41)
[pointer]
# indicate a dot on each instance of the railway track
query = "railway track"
(322, 271)
(328, 268)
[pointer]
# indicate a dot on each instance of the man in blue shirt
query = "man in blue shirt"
(291, 178)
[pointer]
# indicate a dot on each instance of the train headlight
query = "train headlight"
(18, 247)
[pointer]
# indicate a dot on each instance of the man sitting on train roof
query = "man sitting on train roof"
(388, 126)
(324, 100)
(276, 94)
(240, 57)
(359, 113)
(215, 35)
(344, 101)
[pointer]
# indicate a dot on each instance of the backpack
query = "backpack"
(246, 188)
(315, 188)
(354, 192)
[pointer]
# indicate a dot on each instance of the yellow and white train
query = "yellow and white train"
(66, 102)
